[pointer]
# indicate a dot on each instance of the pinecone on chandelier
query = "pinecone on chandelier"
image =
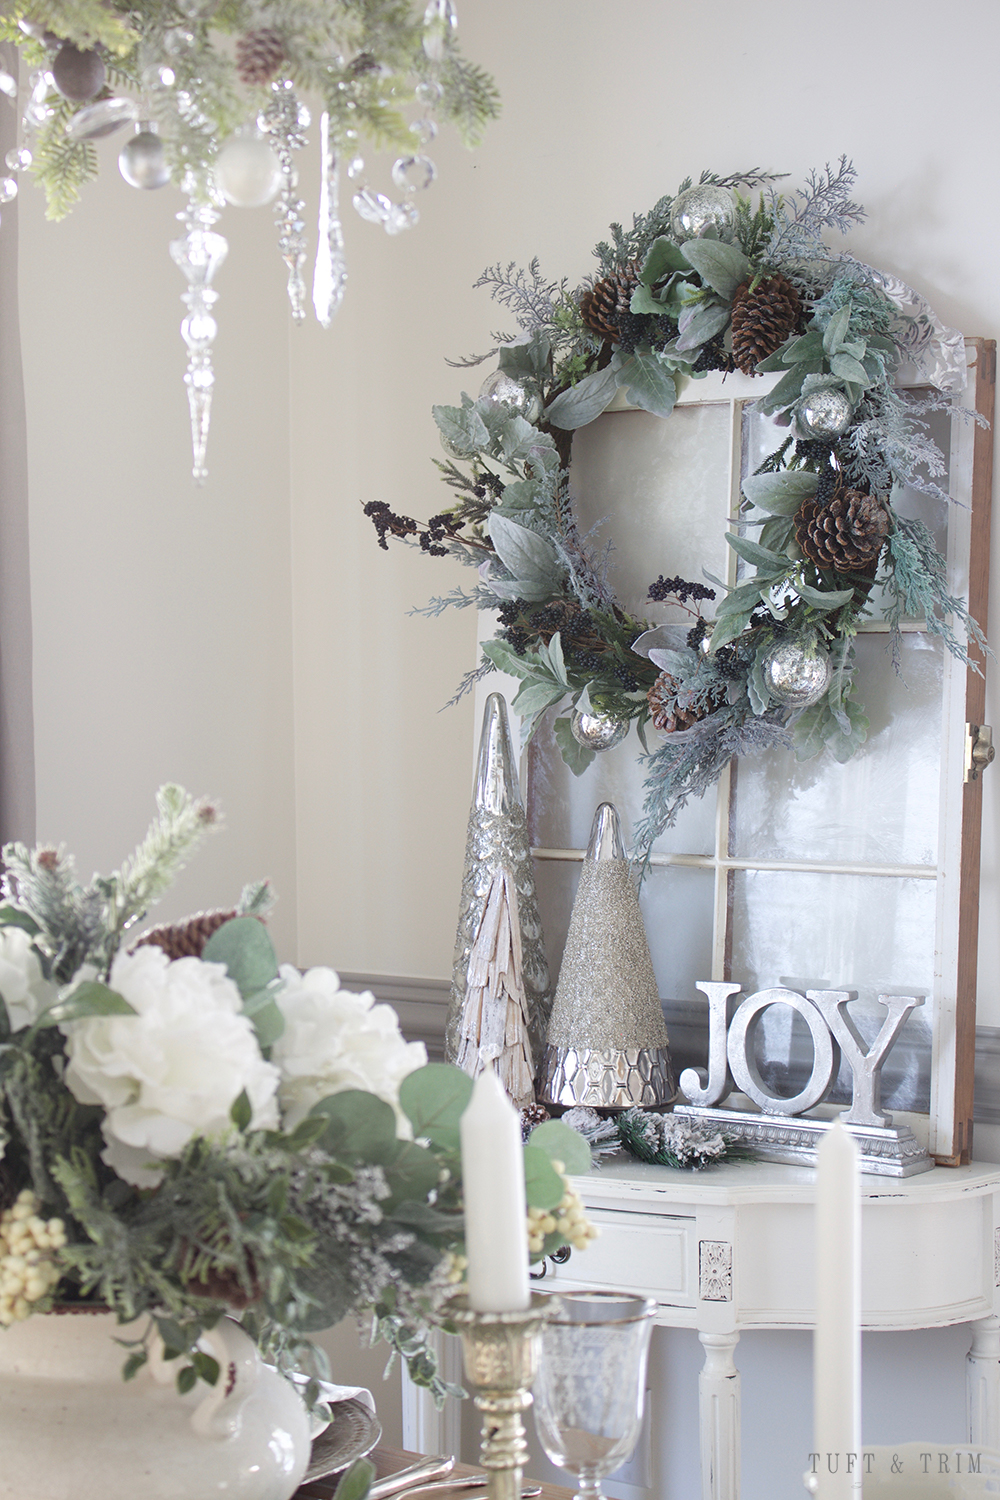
(846, 534)
(186, 939)
(259, 55)
(762, 320)
(667, 714)
(607, 301)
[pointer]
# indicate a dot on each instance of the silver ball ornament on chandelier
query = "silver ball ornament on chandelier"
(142, 160)
(700, 208)
(597, 731)
(823, 414)
(247, 171)
(796, 673)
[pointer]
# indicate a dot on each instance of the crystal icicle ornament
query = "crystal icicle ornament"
(284, 121)
(330, 274)
(500, 993)
(199, 254)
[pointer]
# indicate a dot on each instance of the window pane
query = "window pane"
(659, 491)
(867, 933)
(881, 806)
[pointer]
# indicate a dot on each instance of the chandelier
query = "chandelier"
(210, 91)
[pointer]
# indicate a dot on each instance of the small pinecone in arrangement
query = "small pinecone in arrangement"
(846, 534)
(762, 320)
(186, 939)
(532, 1115)
(259, 55)
(667, 714)
(607, 301)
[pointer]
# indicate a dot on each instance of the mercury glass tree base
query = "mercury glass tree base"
(612, 1078)
(884, 1151)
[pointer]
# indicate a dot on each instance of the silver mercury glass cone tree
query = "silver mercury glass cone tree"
(607, 1042)
(500, 992)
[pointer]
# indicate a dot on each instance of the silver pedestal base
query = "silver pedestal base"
(889, 1151)
(612, 1078)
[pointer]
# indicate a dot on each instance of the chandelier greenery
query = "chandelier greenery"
(213, 91)
(707, 280)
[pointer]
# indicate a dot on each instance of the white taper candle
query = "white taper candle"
(496, 1229)
(837, 1340)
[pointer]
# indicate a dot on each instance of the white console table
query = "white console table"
(732, 1248)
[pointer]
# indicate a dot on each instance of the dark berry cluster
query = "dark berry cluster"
(625, 676)
(697, 633)
(714, 356)
(829, 478)
(733, 661)
(633, 330)
(523, 623)
(763, 616)
(386, 522)
(678, 589)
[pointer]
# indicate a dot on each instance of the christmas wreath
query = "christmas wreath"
(705, 281)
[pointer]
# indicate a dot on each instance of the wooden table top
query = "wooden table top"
(389, 1460)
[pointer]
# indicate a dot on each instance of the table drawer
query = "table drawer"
(651, 1254)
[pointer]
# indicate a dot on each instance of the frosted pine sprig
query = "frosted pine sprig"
(671, 1140)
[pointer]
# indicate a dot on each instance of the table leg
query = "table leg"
(982, 1374)
(719, 1417)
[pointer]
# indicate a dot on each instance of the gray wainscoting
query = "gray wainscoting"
(422, 1005)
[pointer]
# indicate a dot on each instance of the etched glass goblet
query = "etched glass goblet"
(591, 1383)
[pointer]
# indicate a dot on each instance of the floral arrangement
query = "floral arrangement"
(707, 280)
(187, 1127)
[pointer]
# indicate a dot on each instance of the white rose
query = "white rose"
(26, 993)
(174, 1070)
(335, 1040)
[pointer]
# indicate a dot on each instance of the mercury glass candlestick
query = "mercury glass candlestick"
(500, 1353)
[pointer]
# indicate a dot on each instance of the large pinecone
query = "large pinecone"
(186, 939)
(604, 305)
(259, 55)
(762, 320)
(667, 714)
(845, 534)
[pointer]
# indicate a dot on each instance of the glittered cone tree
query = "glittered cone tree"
(500, 991)
(607, 1042)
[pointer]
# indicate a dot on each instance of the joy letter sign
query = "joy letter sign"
(732, 1064)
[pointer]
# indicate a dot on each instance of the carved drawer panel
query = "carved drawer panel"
(651, 1254)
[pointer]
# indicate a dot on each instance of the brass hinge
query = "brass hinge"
(979, 749)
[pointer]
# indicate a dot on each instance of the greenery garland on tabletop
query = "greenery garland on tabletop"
(705, 281)
(187, 1128)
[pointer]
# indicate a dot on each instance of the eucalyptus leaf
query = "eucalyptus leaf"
(247, 952)
(724, 267)
(781, 493)
(562, 1144)
(542, 1184)
(12, 916)
(266, 1016)
(700, 324)
(584, 401)
(528, 555)
(461, 427)
(730, 626)
(773, 564)
(663, 258)
(535, 697)
(850, 369)
(241, 1111)
(824, 599)
(578, 757)
(644, 301)
(836, 330)
(506, 659)
(356, 1481)
(806, 350)
(526, 359)
(738, 601)
(412, 1176)
(648, 383)
(788, 389)
(552, 653)
(433, 1098)
(360, 1127)
(89, 998)
(777, 533)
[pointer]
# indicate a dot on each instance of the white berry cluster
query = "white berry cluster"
(27, 1267)
(567, 1218)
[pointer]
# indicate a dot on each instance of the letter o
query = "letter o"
(743, 1065)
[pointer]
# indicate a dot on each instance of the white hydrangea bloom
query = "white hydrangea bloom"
(335, 1040)
(174, 1070)
(26, 993)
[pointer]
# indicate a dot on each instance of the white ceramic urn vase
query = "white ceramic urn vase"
(72, 1429)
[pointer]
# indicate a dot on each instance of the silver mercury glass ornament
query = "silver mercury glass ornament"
(597, 731)
(502, 389)
(797, 674)
(142, 160)
(607, 1043)
(699, 208)
(823, 414)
